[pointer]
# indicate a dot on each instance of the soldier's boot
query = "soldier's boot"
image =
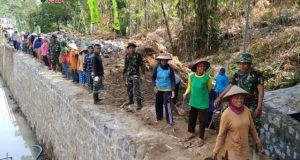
(130, 101)
(90, 87)
(139, 105)
(96, 98)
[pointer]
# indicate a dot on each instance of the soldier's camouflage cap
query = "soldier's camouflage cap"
(245, 57)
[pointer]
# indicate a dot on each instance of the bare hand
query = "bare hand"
(216, 102)
(258, 111)
(142, 76)
(260, 148)
(155, 90)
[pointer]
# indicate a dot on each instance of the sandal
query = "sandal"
(190, 137)
(201, 143)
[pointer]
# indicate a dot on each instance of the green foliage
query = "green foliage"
(50, 15)
(267, 16)
(18, 10)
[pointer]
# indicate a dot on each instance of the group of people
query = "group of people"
(244, 98)
(244, 95)
(83, 66)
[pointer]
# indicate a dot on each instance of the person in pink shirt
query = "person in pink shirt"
(45, 51)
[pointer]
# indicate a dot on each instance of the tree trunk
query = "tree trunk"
(202, 17)
(167, 25)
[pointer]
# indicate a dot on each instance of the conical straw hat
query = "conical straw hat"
(193, 65)
(163, 57)
(234, 90)
(85, 48)
(73, 46)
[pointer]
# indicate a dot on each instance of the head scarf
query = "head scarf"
(234, 108)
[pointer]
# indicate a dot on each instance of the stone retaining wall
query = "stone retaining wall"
(280, 135)
(62, 119)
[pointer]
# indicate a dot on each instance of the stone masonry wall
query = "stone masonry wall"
(280, 135)
(75, 129)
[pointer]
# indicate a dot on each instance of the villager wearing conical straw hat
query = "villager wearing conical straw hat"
(73, 61)
(235, 126)
(199, 85)
(80, 66)
(163, 80)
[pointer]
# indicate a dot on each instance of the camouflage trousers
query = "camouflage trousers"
(97, 85)
(133, 87)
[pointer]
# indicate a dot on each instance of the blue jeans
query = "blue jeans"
(81, 77)
(163, 100)
(89, 80)
(67, 70)
(75, 75)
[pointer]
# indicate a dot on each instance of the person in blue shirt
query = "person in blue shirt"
(163, 80)
(222, 81)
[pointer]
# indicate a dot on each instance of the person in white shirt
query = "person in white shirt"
(15, 38)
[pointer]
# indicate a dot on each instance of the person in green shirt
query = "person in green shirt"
(199, 85)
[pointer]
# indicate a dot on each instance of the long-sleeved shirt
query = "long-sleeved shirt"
(73, 60)
(45, 49)
(133, 63)
(234, 132)
(80, 62)
(98, 69)
(87, 64)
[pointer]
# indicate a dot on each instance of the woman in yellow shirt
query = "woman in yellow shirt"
(199, 85)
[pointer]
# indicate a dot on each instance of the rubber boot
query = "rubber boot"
(130, 101)
(96, 98)
(139, 105)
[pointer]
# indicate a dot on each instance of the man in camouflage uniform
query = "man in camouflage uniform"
(252, 81)
(54, 52)
(133, 63)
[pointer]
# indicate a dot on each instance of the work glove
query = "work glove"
(96, 79)
(184, 96)
(173, 94)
